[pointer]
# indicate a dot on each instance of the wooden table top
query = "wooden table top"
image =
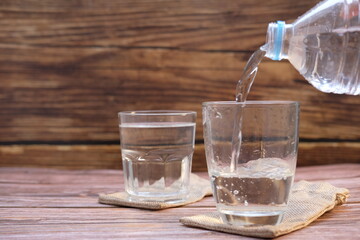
(62, 204)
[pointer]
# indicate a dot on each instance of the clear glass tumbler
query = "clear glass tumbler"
(157, 149)
(251, 177)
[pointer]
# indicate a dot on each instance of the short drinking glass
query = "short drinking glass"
(251, 152)
(157, 149)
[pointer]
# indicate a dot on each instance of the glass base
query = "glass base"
(252, 218)
(170, 200)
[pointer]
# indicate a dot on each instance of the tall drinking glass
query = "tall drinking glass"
(251, 180)
(157, 149)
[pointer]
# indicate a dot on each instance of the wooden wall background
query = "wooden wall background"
(68, 67)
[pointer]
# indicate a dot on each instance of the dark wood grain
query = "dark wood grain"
(53, 96)
(68, 67)
(48, 203)
(210, 25)
(109, 156)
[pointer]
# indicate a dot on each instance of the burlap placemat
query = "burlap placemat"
(307, 202)
(199, 188)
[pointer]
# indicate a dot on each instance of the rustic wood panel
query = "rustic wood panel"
(216, 25)
(60, 97)
(109, 156)
(54, 204)
(53, 188)
(68, 67)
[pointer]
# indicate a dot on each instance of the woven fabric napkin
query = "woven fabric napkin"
(199, 188)
(307, 202)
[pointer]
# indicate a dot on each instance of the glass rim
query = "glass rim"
(252, 103)
(157, 113)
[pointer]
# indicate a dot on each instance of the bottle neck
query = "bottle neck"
(277, 40)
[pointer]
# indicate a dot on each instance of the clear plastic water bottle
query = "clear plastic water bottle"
(323, 45)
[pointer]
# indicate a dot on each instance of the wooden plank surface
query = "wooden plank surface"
(48, 95)
(68, 67)
(57, 204)
(205, 25)
(109, 156)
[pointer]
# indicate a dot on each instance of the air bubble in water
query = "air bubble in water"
(218, 115)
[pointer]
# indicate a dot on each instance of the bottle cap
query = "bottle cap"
(278, 39)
